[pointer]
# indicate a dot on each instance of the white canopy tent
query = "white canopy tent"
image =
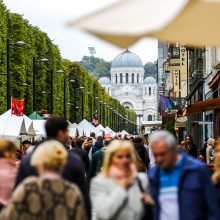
(12, 127)
(39, 127)
(72, 132)
(109, 131)
(85, 128)
(29, 125)
(100, 127)
(124, 132)
(191, 22)
(74, 125)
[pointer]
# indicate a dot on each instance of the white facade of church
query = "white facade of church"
(127, 84)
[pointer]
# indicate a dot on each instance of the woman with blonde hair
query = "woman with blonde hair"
(8, 171)
(47, 196)
(118, 187)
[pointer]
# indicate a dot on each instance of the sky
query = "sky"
(52, 16)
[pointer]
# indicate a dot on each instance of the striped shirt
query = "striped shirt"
(168, 192)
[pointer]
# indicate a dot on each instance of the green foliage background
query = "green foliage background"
(100, 68)
(39, 45)
(96, 66)
(151, 69)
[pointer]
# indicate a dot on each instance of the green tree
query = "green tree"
(96, 66)
(39, 45)
(170, 128)
(151, 69)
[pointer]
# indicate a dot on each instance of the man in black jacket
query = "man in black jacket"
(98, 145)
(57, 128)
(77, 149)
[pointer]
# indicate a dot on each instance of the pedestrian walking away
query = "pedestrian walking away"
(47, 196)
(73, 171)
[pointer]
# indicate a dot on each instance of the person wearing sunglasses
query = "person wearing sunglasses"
(115, 192)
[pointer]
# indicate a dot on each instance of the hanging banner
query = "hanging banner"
(183, 71)
(183, 63)
(176, 80)
(17, 107)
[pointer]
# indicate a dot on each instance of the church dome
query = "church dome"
(127, 59)
(104, 80)
(150, 80)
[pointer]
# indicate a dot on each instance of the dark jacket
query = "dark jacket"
(192, 150)
(143, 153)
(96, 163)
(217, 187)
(83, 155)
(73, 172)
(197, 199)
(98, 146)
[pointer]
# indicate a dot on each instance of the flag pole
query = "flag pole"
(11, 105)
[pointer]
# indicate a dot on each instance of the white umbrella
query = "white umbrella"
(192, 22)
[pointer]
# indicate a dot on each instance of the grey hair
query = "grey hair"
(165, 136)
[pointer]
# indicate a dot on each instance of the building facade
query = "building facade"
(161, 74)
(128, 85)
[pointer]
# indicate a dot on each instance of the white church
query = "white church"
(127, 84)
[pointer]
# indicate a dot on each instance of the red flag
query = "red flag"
(17, 107)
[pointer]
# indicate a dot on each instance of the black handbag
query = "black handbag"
(148, 214)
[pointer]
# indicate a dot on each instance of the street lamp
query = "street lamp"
(72, 81)
(96, 102)
(100, 102)
(44, 60)
(111, 117)
(51, 86)
(107, 121)
(81, 87)
(90, 104)
(104, 106)
(114, 121)
(8, 74)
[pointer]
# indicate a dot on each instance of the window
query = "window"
(132, 78)
(149, 117)
(137, 78)
(126, 77)
(149, 91)
(121, 79)
(116, 78)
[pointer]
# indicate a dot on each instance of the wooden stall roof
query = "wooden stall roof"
(202, 106)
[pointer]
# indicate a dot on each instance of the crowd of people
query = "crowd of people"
(108, 178)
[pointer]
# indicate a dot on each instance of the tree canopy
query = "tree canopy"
(151, 69)
(39, 45)
(96, 66)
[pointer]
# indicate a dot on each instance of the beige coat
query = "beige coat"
(112, 202)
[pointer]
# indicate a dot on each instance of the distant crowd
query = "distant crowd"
(108, 178)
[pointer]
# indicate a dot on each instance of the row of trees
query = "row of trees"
(39, 45)
(99, 67)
